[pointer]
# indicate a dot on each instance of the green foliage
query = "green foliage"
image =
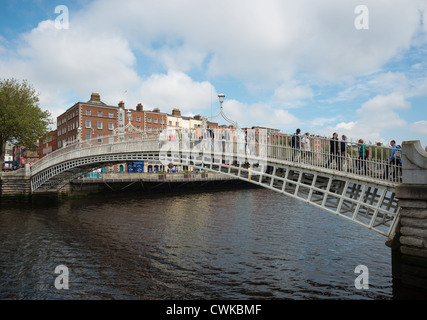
(21, 119)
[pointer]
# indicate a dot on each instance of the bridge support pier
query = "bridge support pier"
(409, 246)
(16, 183)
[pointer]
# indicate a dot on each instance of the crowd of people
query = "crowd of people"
(338, 153)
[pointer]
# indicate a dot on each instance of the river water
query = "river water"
(239, 244)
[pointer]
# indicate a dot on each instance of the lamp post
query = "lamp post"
(221, 98)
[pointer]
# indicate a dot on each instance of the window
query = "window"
(99, 113)
(156, 130)
(99, 124)
(162, 121)
(110, 126)
(138, 128)
(170, 123)
(177, 124)
(111, 115)
(87, 136)
(99, 138)
(149, 130)
(88, 112)
(88, 124)
(138, 119)
(149, 120)
(156, 120)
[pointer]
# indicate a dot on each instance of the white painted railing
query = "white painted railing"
(253, 145)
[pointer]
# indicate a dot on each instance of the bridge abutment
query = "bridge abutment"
(16, 183)
(409, 246)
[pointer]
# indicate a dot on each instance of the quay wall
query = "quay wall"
(409, 246)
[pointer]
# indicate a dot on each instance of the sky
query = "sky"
(321, 66)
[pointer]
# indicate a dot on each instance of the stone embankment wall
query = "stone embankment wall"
(410, 243)
(15, 183)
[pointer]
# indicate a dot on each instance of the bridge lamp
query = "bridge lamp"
(221, 97)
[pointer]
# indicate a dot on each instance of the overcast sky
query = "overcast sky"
(321, 66)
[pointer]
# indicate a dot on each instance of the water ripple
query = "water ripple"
(247, 244)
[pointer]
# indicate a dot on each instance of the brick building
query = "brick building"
(48, 143)
(95, 119)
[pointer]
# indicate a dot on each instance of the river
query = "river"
(238, 244)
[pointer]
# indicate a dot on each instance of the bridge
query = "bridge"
(360, 189)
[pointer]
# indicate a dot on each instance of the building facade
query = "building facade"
(95, 120)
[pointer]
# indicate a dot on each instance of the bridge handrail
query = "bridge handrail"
(256, 144)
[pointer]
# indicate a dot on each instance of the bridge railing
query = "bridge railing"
(105, 145)
(357, 158)
(243, 146)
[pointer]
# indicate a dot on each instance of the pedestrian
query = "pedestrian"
(334, 152)
(362, 156)
(394, 161)
(306, 147)
(343, 151)
(296, 143)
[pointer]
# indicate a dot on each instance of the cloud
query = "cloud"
(259, 114)
(419, 127)
(291, 94)
(175, 89)
(374, 117)
(158, 51)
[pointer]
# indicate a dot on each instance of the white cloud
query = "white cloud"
(291, 94)
(150, 49)
(258, 114)
(419, 127)
(175, 89)
(375, 116)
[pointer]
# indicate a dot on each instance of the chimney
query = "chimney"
(198, 117)
(95, 97)
(139, 107)
(156, 110)
(176, 112)
(121, 104)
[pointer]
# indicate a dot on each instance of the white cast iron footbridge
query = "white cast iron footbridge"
(360, 189)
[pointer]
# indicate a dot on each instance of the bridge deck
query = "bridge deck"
(360, 188)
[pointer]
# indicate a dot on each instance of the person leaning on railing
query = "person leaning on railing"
(296, 143)
(362, 156)
(343, 150)
(394, 161)
(306, 147)
(334, 151)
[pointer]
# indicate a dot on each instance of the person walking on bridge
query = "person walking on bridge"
(334, 151)
(362, 156)
(394, 161)
(296, 143)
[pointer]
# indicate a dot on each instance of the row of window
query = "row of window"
(137, 118)
(99, 113)
(70, 127)
(99, 125)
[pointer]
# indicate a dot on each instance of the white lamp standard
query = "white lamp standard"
(221, 98)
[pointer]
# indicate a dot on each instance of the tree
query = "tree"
(22, 121)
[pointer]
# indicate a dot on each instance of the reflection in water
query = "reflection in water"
(239, 244)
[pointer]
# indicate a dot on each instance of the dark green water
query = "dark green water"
(242, 244)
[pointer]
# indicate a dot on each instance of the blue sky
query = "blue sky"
(282, 64)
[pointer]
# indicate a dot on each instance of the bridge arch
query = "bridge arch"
(368, 200)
